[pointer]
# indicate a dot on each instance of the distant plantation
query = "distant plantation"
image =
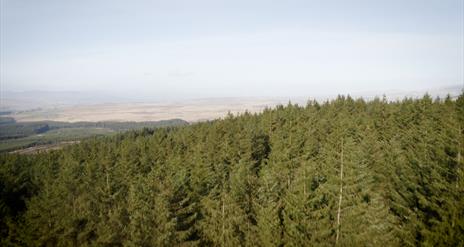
(346, 172)
(15, 135)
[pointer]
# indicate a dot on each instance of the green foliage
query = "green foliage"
(15, 135)
(345, 172)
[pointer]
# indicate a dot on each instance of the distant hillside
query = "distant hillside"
(27, 100)
(14, 135)
(97, 107)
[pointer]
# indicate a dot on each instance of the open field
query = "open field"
(191, 111)
(79, 106)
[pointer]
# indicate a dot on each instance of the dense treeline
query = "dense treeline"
(345, 172)
(10, 129)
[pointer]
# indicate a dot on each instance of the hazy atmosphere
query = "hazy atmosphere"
(156, 50)
(325, 123)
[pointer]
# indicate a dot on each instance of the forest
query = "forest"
(10, 129)
(344, 172)
(16, 135)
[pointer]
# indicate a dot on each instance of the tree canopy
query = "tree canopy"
(346, 172)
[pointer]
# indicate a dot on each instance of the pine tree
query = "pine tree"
(150, 221)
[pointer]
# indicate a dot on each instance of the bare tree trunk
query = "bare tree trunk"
(288, 181)
(107, 181)
(223, 225)
(459, 153)
(340, 195)
(304, 181)
(458, 170)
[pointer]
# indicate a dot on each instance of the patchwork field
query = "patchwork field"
(191, 111)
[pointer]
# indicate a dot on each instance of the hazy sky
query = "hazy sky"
(231, 48)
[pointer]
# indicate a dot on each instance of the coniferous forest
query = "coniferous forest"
(346, 172)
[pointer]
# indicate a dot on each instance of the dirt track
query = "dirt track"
(44, 148)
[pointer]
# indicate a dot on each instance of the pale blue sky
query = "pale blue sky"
(231, 48)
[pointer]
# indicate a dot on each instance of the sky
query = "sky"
(175, 49)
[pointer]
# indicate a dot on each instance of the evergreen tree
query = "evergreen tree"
(344, 172)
